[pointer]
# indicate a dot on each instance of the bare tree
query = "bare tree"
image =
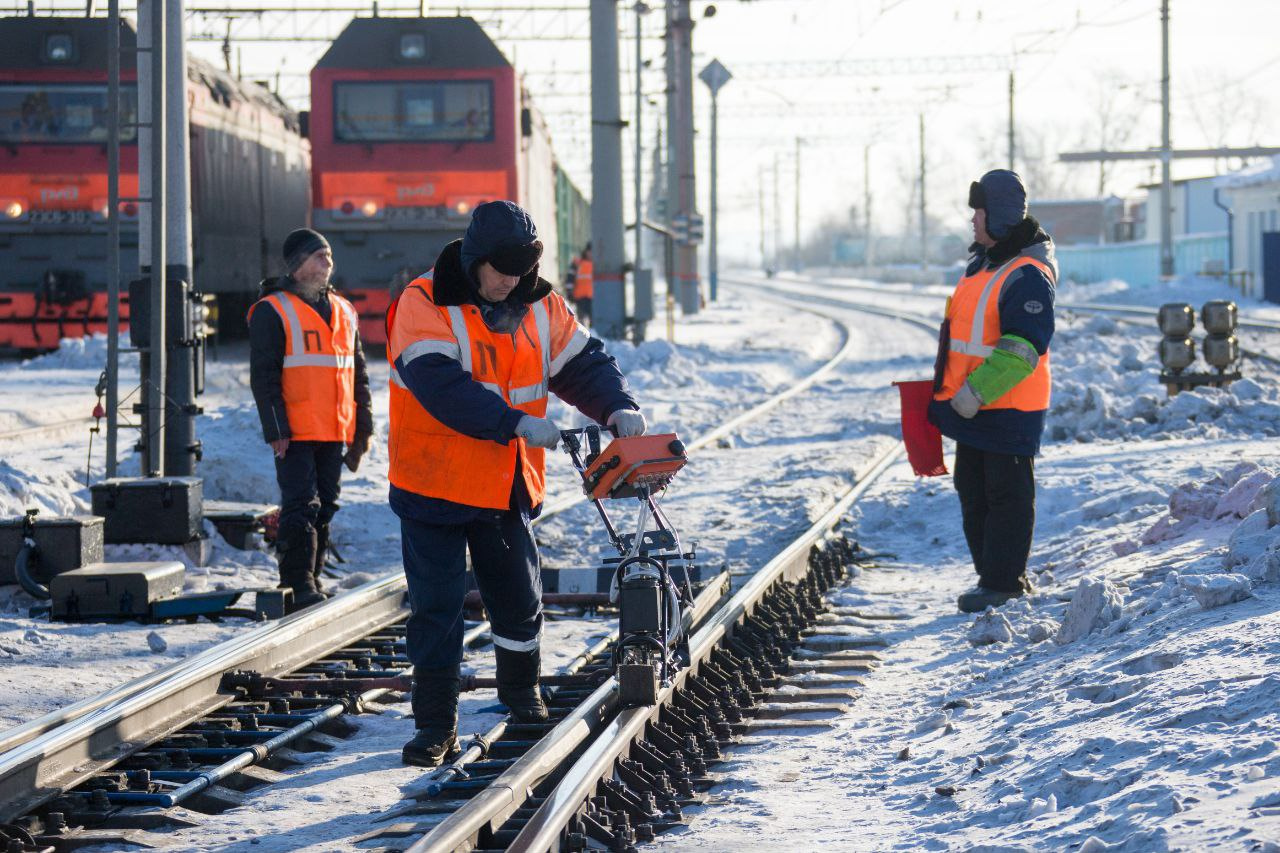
(1224, 110)
(1118, 108)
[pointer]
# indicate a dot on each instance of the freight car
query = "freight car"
(415, 121)
(249, 180)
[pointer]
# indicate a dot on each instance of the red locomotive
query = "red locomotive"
(415, 121)
(249, 180)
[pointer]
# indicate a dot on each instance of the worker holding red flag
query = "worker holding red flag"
(991, 383)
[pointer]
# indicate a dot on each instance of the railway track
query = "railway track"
(223, 728)
(1132, 314)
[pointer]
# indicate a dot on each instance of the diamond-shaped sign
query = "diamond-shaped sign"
(715, 76)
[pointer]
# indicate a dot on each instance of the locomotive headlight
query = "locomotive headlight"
(369, 208)
(462, 208)
(13, 209)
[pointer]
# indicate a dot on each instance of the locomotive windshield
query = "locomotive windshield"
(47, 113)
(414, 111)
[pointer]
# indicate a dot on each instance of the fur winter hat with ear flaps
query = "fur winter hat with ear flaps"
(1003, 196)
(502, 233)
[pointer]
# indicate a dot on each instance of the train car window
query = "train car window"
(414, 111)
(54, 113)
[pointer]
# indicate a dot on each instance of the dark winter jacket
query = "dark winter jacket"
(1009, 430)
(590, 382)
(266, 364)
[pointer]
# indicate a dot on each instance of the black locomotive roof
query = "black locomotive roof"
(457, 42)
(22, 41)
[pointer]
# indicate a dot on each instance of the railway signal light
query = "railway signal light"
(1221, 348)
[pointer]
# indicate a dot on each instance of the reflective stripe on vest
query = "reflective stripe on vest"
(429, 458)
(317, 374)
(974, 319)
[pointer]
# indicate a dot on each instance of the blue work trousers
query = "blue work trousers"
(504, 560)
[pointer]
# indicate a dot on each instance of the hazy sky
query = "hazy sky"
(1074, 60)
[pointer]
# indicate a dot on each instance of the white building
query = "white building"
(1253, 194)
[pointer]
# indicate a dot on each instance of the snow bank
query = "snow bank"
(1105, 388)
(82, 353)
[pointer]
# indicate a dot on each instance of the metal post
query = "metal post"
(797, 265)
(924, 227)
(607, 228)
(764, 247)
(777, 213)
(1166, 151)
(715, 75)
(866, 202)
(680, 90)
(713, 247)
(183, 346)
(151, 226)
(1012, 147)
(640, 9)
(113, 234)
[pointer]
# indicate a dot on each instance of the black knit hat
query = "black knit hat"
(299, 246)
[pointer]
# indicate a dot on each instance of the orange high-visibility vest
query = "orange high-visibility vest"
(427, 457)
(974, 312)
(583, 286)
(319, 371)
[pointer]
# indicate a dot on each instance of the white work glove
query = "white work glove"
(627, 423)
(966, 402)
(539, 432)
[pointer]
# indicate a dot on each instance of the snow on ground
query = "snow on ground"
(723, 361)
(1129, 704)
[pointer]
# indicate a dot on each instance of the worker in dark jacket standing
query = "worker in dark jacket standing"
(307, 371)
(992, 383)
(476, 346)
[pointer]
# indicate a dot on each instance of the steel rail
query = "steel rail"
(545, 828)
(491, 807)
(42, 758)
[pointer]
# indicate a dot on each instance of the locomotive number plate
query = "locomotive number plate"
(59, 217)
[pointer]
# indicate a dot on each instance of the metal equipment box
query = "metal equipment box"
(65, 543)
(114, 590)
(159, 510)
(243, 525)
(599, 579)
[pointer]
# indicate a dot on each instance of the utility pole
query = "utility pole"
(764, 247)
(924, 228)
(184, 344)
(1012, 146)
(798, 263)
(715, 76)
(682, 203)
(1166, 151)
(113, 234)
(641, 277)
(607, 228)
(866, 202)
(777, 213)
(152, 149)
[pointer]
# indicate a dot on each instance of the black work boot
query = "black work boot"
(435, 715)
(979, 598)
(297, 557)
(322, 550)
(518, 685)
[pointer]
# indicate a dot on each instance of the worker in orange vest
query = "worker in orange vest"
(991, 383)
(307, 372)
(584, 287)
(476, 346)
